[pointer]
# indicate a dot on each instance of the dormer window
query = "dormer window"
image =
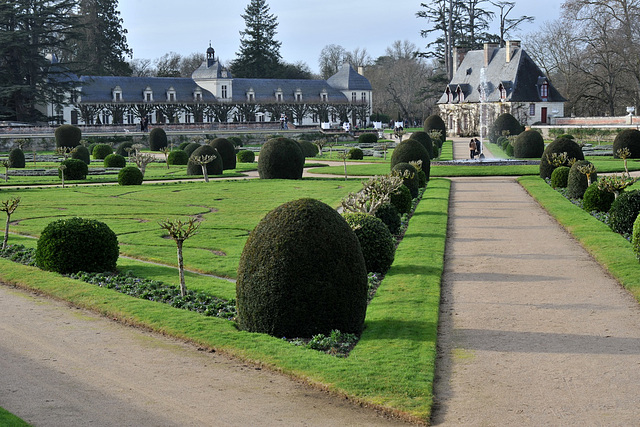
(197, 95)
(298, 95)
(171, 94)
(279, 97)
(323, 95)
(503, 92)
(447, 91)
(148, 94)
(459, 94)
(251, 95)
(116, 94)
(544, 91)
(224, 74)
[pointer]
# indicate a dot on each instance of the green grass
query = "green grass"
(436, 171)
(392, 367)
(610, 249)
(7, 419)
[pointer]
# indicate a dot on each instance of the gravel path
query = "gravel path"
(532, 330)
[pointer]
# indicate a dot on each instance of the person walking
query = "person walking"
(478, 146)
(472, 148)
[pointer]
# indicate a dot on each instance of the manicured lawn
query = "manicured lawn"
(9, 420)
(392, 366)
(610, 249)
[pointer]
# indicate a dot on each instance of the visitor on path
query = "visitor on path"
(472, 148)
(478, 146)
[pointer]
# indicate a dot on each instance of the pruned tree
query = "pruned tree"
(203, 161)
(6, 163)
(8, 207)
(180, 231)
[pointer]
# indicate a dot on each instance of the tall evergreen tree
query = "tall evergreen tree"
(102, 49)
(259, 55)
(29, 31)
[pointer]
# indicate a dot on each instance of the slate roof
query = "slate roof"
(265, 90)
(348, 79)
(520, 77)
(98, 89)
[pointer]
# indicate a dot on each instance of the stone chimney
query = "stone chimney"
(458, 56)
(489, 49)
(512, 46)
(361, 70)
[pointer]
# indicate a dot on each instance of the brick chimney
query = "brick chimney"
(489, 49)
(458, 56)
(512, 46)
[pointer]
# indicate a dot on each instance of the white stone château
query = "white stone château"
(213, 96)
(492, 81)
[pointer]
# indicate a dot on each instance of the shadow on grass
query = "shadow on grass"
(394, 329)
(425, 270)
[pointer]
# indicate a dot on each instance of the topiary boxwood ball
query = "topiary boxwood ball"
(528, 145)
(183, 145)
(424, 139)
(435, 122)
(16, 158)
(309, 149)
(595, 199)
(100, 151)
(77, 244)
(157, 139)
(411, 181)
(401, 199)
(376, 241)
(213, 168)
(280, 158)
(115, 161)
(246, 156)
(302, 273)
(504, 123)
(122, 148)
(81, 153)
(68, 136)
(130, 175)
(178, 157)
(355, 154)
(408, 151)
(624, 211)
(577, 181)
(227, 152)
(368, 138)
(389, 214)
(560, 176)
(73, 169)
(191, 147)
(562, 145)
(630, 139)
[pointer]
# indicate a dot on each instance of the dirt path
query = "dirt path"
(62, 366)
(533, 331)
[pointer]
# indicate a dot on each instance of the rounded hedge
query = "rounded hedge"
(236, 141)
(74, 169)
(355, 154)
(77, 244)
(246, 156)
(424, 139)
(630, 139)
(390, 216)
(302, 273)
(410, 150)
(529, 144)
(577, 182)
(115, 161)
(157, 139)
(214, 167)
(504, 123)
(68, 136)
(560, 176)
(130, 175)
(624, 211)
(595, 199)
(178, 157)
(280, 158)
(368, 138)
(191, 147)
(100, 151)
(422, 179)
(122, 148)
(562, 145)
(309, 149)
(16, 158)
(376, 241)
(401, 199)
(435, 122)
(183, 145)
(227, 152)
(410, 182)
(81, 153)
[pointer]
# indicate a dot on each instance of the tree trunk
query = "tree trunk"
(6, 232)
(183, 287)
(204, 173)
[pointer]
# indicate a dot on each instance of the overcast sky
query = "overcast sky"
(156, 27)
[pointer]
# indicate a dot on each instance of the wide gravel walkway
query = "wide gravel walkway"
(533, 331)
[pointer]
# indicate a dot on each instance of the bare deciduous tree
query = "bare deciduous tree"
(180, 231)
(8, 207)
